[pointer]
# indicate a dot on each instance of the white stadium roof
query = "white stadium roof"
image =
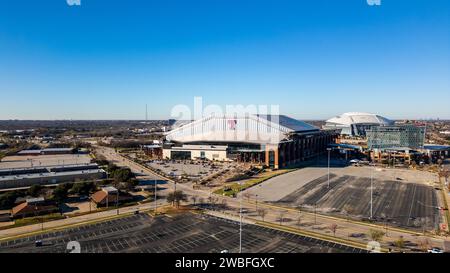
(359, 118)
(250, 128)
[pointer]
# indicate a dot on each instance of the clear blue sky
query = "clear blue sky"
(315, 58)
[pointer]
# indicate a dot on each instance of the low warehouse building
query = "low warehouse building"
(26, 177)
(48, 151)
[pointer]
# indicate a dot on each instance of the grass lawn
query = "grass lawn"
(234, 188)
(34, 220)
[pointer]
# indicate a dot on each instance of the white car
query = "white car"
(435, 250)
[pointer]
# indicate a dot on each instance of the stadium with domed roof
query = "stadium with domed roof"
(356, 123)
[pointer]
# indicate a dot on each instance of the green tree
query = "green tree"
(83, 188)
(122, 175)
(111, 168)
(61, 192)
(7, 199)
(35, 190)
(176, 197)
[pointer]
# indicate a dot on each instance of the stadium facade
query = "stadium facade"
(275, 141)
(355, 123)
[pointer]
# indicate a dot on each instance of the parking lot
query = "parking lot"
(192, 169)
(186, 233)
(401, 197)
(403, 204)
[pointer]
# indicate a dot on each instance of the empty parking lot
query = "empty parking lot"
(187, 233)
(402, 197)
(399, 203)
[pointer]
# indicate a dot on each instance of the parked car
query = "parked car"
(435, 250)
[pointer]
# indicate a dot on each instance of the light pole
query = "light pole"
(393, 164)
(371, 193)
(240, 218)
(329, 152)
(256, 203)
(315, 213)
(117, 202)
(155, 197)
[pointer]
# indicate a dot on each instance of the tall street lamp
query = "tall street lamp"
(240, 218)
(155, 196)
(371, 193)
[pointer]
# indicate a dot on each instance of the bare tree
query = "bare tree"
(224, 204)
(194, 199)
(333, 228)
(282, 214)
(176, 197)
(210, 198)
(247, 195)
(424, 244)
(262, 213)
(444, 173)
(212, 201)
(422, 222)
(400, 242)
(348, 210)
(299, 218)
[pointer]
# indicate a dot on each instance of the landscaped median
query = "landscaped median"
(318, 236)
(233, 188)
(72, 225)
(34, 220)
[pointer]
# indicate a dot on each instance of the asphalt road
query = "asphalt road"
(186, 233)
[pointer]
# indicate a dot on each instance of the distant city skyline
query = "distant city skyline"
(107, 60)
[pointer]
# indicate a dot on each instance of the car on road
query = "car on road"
(84, 198)
(435, 250)
(38, 243)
